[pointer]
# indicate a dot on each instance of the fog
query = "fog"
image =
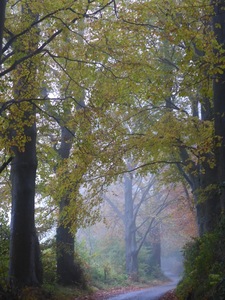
(140, 237)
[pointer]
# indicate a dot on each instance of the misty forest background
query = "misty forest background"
(112, 138)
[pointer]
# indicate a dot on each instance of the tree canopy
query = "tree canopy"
(111, 81)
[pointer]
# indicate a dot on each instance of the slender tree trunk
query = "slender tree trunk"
(155, 256)
(130, 230)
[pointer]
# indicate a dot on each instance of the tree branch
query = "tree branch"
(30, 55)
(5, 164)
(2, 22)
(114, 207)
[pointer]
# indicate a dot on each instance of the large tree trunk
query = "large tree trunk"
(212, 180)
(208, 179)
(219, 101)
(203, 180)
(25, 267)
(68, 271)
(130, 230)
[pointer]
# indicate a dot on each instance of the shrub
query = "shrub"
(204, 265)
(49, 262)
(104, 266)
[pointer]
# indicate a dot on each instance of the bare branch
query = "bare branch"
(144, 195)
(114, 207)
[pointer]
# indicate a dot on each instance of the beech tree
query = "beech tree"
(200, 165)
(69, 270)
(23, 42)
(24, 269)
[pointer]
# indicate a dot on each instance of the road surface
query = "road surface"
(153, 293)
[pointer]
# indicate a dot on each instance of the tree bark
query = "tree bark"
(68, 270)
(25, 267)
(219, 100)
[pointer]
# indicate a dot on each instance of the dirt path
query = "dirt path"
(153, 293)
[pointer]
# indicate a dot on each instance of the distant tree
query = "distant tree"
(141, 217)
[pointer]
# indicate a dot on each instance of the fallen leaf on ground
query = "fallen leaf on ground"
(169, 296)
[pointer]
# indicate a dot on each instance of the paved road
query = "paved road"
(153, 293)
